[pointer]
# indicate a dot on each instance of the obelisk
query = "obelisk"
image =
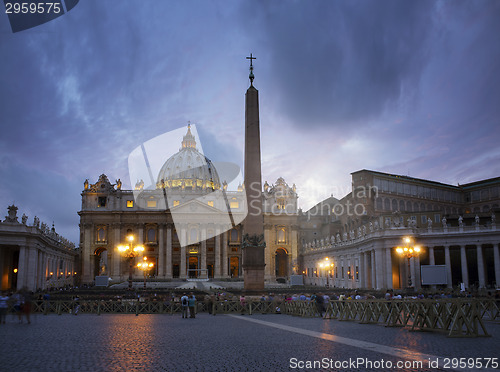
(253, 245)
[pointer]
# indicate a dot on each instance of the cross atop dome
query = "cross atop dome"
(188, 140)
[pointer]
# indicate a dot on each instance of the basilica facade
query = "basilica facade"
(188, 225)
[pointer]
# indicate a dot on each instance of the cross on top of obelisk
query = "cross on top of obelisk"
(251, 76)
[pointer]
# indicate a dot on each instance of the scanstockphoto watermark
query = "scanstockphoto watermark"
(382, 364)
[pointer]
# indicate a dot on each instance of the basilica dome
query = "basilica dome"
(188, 169)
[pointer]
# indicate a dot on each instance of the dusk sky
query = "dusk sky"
(404, 87)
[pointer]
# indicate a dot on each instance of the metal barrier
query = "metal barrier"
(456, 317)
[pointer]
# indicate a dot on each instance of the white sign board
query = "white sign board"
(433, 274)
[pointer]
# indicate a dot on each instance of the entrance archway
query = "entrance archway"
(193, 267)
(101, 261)
(281, 263)
(234, 266)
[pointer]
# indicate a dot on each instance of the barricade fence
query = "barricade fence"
(455, 317)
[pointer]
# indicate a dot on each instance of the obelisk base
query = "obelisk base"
(253, 262)
(254, 278)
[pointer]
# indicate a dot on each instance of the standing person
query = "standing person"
(76, 307)
(184, 305)
(17, 299)
(3, 306)
(28, 298)
(319, 303)
(243, 304)
(192, 305)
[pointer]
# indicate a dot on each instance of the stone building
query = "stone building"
(34, 256)
(188, 223)
(455, 226)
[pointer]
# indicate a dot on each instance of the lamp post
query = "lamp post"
(145, 266)
(409, 250)
(327, 265)
(130, 252)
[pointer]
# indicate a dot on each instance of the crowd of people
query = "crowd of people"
(21, 301)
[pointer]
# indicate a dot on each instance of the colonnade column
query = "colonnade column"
(417, 282)
(366, 270)
(224, 254)
(373, 269)
(168, 263)
(362, 279)
(380, 268)
(217, 273)
(480, 266)
(161, 250)
(388, 264)
(496, 259)
(447, 262)
(465, 272)
(21, 268)
(204, 272)
(432, 261)
(32, 269)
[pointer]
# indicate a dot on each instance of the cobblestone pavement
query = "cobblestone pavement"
(124, 342)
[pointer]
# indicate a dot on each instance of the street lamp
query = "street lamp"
(409, 250)
(327, 265)
(145, 266)
(130, 252)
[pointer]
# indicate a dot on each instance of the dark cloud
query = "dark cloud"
(342, 62)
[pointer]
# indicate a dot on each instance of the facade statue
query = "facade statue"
(493, 218)
(338, 238)
(86, 184)
(375, 225)
(477, 220)
(364, 229)
(429, 223)
(266, 187)
(24, 218)
(118, 184)
(371, 226)
(460, 221)
(36, 222)
(444, 222)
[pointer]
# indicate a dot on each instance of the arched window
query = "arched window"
(281, 235)
(402, 207)
(387, 204)
(379, 204)
(101, 234)
(394, 205)
(151, 235)
(234, 235)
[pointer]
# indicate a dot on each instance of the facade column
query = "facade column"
(465, 272)
(388, 262)
(40, 276)
(380, 268)
(86, 255)
(496, 258)
(168, 263)
(447, 262)
(204, 271)
(161, 250)
(224, 255)
(373, 270)
(183, 253)
(217, 271)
